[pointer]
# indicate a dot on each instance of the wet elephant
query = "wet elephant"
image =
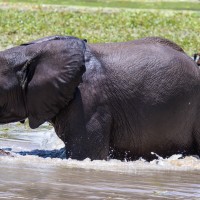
(113, 100)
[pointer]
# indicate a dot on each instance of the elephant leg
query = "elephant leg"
(196, 135)
(98, 129)
(93, 143)
(84, 136)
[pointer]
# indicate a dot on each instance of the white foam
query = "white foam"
(172, 163)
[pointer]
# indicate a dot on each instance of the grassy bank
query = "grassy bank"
(176, 5)
(18, 25)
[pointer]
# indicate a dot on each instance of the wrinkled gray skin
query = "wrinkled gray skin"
(118, 100)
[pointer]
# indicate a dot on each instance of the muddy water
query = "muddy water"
(37, 171)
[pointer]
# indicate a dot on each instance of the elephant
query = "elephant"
(105, 101)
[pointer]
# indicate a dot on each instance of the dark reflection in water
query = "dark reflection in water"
(56, 153)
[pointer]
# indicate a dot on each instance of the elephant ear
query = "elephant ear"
(53, 72)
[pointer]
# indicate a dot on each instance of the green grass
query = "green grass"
(19, 25)
(183, 5)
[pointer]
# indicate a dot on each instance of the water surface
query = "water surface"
(37, 171)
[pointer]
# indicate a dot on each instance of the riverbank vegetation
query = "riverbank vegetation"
(21, 22)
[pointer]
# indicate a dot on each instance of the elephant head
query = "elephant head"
(39, 78)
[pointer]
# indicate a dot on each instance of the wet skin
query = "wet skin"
(118, 100)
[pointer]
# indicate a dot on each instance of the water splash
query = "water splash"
(43, 148)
